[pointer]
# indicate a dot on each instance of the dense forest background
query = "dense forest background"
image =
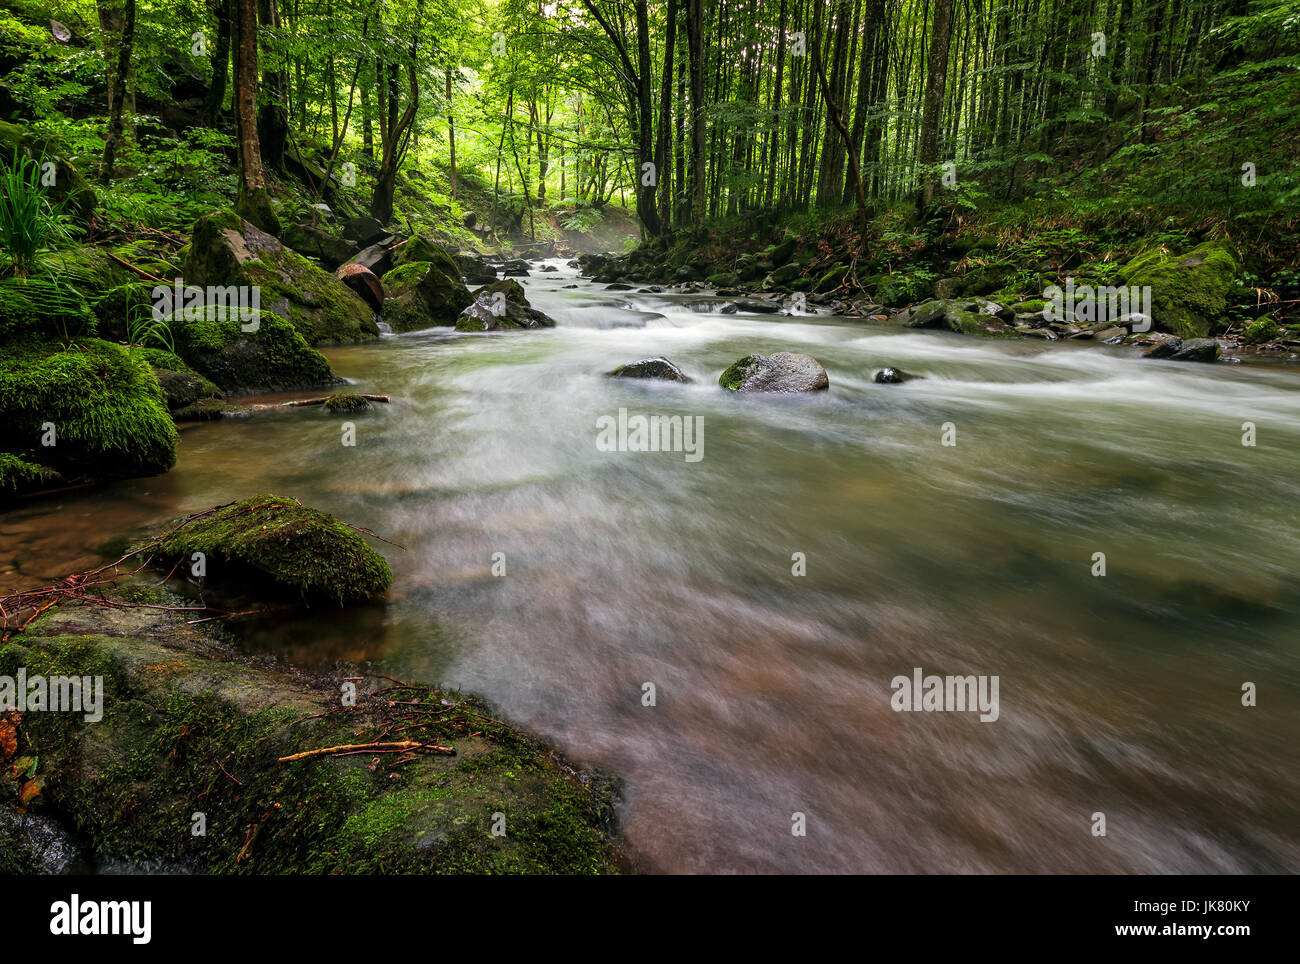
(556, 114)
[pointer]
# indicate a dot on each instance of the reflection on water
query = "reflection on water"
(1119, 694)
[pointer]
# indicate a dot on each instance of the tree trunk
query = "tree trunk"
(117, 99)
(937, 76)
(695, 40)
(216, 95)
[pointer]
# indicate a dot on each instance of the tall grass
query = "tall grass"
(29, 223)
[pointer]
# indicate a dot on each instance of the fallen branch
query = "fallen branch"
(348, 748)
(140, 271)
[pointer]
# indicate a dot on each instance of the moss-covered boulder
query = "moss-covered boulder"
(69, 186)
(1189, 293)
(182, 386)
(227, 250)
(277, 542)
(782, 372)
(1262, 330)
(425, 294)
(419, 248)
(93, 410)
(966, 316)
(502, 306)
(18, 476)
(271, 355)
(188, 725)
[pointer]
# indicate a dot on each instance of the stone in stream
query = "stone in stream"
(1164, 348)
(1197, 350)
(500, 306)
(425, 293)
(967, 316)
(475, 270)
(272, 541)
(658, 368)
(892, 376)
(781, 372)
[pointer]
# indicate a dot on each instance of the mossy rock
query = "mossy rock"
(102, 404)
(69, 186)
(781, 372)
(425, 294)
(1262, 330)
(1189, 293)
(299, 549)
(723, 279)
(347, 403)
(502, 306)
(18, 476)
(182, 707)
(182, 386)
(227, 250)
(783, 275)
(420, 248)
(832, 279)
(271, 358)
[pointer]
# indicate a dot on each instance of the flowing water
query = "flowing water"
(1119, 694)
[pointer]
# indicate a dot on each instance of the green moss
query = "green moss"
(1188, 293)
(18, 476)
(186, 730)
(425, 293)
(275, 356)
(299, 548)
(347, 403)
(405, 276)
(107, 412)
(1262, 330)
(419, 248)
(225, 251)
(737, 372)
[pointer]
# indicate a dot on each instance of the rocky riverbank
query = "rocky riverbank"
(198, 757)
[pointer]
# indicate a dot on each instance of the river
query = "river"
(1118, 694)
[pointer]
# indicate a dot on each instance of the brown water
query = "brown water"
(1118, 694)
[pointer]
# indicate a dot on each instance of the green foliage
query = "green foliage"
(29, 223)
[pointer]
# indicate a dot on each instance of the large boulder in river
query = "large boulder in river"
(475, 269)
(783, 372)
(226, 250)
(657, 368)
(424, 294)
(501, 306)
(1189, 293)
